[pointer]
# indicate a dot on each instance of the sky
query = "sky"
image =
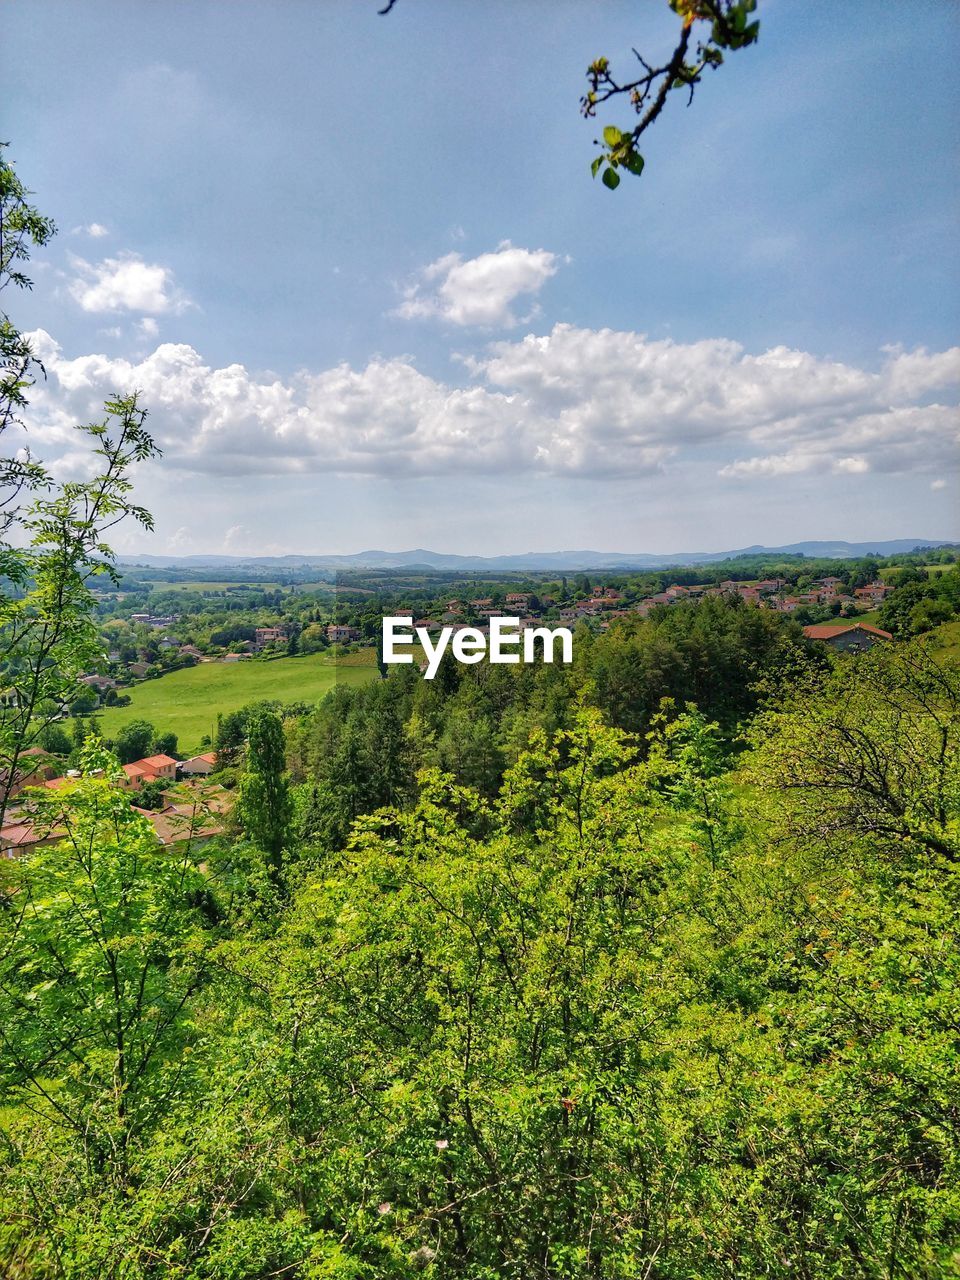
(358, 270)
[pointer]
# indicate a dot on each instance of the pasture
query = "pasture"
(187, 702)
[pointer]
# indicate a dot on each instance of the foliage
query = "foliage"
(102, 961)
(264, 803)
(54, 545)
(632, 1013)
(730, 27)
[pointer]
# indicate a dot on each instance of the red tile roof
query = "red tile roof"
(827, 630)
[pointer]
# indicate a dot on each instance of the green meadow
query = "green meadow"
(187, 702)
(931, 570)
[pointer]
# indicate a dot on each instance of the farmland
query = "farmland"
(186, 702)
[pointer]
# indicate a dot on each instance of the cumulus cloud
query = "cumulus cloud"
(126, 283)
(181, 539)
(95, 230)
(479, 291)
(573, 402)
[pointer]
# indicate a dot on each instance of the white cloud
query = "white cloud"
(181, 539)
(149, 327)
(126, 283)
(573, 402)
(936, 485)
(236, 539)
(95, 230)
(479, 291)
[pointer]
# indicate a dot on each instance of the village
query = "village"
(182, 808)
(142, 644)
(338, 627)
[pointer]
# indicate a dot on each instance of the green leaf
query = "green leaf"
(634, 162)
(612, 135)
(611, 179)
(596, 165)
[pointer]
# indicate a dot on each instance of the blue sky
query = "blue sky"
(359, 270)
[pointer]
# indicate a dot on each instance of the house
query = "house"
(190, 651)
(177, 822)
(162, 767)
(233, 657)
(263, 636)
(100, 683)
(518, 599)
(202, 764)
(873, 592)
(20, 836)
(150, 769)
(847, 636)
(337, 634)
(33, 770)
(139, 669)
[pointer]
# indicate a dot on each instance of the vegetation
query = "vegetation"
(646, 1007)
(642, 967)
(187, 702)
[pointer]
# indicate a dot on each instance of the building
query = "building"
(19, 836)
(202, 764)
(100, 683)
(178, 822)
(263, 636)
(872, 593)
(34, 769)
(150, 769)
(155, 620)
(847, 636)
(341, 635)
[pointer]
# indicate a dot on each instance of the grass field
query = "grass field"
(186, 702)
(946, 640)
(931, 570)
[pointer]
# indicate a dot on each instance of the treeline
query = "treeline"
(921, 601)
(363, 746)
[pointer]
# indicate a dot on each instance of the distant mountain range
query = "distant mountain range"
(551, 560)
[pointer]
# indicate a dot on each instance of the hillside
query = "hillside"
(187, 702)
